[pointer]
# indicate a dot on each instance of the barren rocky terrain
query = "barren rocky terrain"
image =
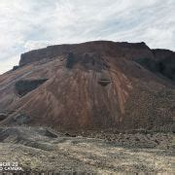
(111, 107)
(45, 150)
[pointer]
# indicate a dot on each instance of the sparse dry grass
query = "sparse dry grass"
(39, 153)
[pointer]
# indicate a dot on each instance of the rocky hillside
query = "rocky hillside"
(92, 85)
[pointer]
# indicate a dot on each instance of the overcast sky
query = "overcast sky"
(31, 24)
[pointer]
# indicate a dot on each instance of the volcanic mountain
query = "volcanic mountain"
(93, 85)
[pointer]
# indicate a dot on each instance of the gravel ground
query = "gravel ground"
(44, 150)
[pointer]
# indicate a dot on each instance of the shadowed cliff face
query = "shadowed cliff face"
(23, 87)
(130, 51)
(163, 63)
(92, 85)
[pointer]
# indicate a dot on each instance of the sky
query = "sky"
(31, 24)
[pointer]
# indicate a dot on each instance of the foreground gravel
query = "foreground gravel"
(44, 150)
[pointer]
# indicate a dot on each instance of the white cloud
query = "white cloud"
(8, 64)
(32, 45)
(31, 24)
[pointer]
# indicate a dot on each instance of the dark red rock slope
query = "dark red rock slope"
(93, 85)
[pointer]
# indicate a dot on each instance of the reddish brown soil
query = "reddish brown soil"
(92, 85)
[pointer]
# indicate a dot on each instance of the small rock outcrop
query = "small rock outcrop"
(2, 116)
(23, 87)
(70, 61)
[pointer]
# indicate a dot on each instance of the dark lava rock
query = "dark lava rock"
(104, 82)
(2, 116)
(25, 86)
(15, 68)
(21, 119)
(70, 135)
(163, 63)
(70, 61)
